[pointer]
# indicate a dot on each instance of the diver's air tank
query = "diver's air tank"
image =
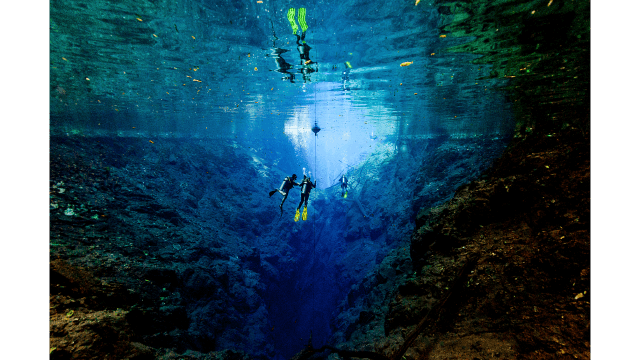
(284, 182)
(306, 187)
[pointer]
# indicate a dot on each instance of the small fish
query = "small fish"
(151, 142)
(255, 69)
(193, 37)
(443, 36)
(406, 63)
(138, 19)
(154, 35)
(197, 81)
(417, 2)
(176, 26)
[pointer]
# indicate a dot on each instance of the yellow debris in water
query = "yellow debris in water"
(255, 68)
(406, 63)
(259, 1)
(443, 36)
(417, 2)
(533, 12)
(193, 37)
(433, 54)
(549, 4)
(138, 19)
(415, 93)
(154, 35)
(197, 81)
(87, 79)
(151, 142)
(271, 89)
(65, 59)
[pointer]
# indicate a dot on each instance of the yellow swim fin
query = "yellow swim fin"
(345, 194)
(297, 217)
(302, 13)
(304, 214)
(291, 17)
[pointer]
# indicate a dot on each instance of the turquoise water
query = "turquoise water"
(232, 69)
(202, 107)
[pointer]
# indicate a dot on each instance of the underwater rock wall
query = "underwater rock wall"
(161, 222)
(425, 177)
(502, 269)
(196, 255)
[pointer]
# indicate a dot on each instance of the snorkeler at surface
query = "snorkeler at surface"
(306, 187)
(287, 184)
(303, 48)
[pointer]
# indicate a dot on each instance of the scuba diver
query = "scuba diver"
(287, 184)
(303, 48)
(306, 187)
(345, 76)
(344, 186)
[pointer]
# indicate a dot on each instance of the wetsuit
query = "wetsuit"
(286, 185)
(307, 186)
(344, 184)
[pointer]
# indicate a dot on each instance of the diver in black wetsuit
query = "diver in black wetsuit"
(344, 185)
(306, 187)
(287, 184)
